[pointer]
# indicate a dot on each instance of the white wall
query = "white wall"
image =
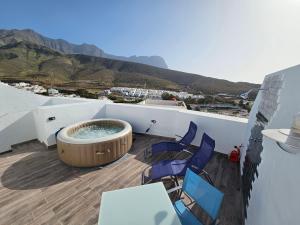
(16, 128)
(67, 100)
(23, 115)
(14, 100)
(251, 121)
(65, 115)
(140, 118)
(275, 197)
(227, 131)
(33, 120)
(16, 115)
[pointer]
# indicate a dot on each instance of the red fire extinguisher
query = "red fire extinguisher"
(235, 154)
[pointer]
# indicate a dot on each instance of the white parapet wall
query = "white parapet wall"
(40, 117)
(275, 192)
(49, 119)
(227, 131)
(16, 119)
(19, 110)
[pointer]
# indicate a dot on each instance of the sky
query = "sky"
(237, 40)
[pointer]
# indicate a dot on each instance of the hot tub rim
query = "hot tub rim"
(64, 137)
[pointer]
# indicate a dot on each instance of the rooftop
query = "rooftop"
(164, 103)
(37, 188)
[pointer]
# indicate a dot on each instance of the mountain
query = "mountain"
(29, 61)
(27, 35)
(157, 61)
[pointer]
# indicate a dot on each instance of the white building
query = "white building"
(151, 93)
(38, 89)
(22, 85)
(273, 195)
(53, 92)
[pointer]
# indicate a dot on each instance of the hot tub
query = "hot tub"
(94, 142)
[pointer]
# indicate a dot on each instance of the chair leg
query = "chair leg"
(177, 184)
(216, 222)
(180, 194)
(207, 177)
(144, 182)
(143, 176)
(176, 180)
(147, 153)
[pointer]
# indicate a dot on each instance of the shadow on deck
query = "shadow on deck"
(37, 188)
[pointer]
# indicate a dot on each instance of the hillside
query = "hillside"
(60, 45)
(28, 61)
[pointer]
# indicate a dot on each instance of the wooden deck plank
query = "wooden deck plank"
(37, 188)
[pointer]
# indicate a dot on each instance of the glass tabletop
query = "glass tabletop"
(141, 205)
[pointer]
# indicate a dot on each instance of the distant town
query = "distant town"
(149, 93)
(221, 103)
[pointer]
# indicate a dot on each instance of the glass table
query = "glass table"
(141, 205)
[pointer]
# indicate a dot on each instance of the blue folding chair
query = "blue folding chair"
(177, 146)
(177, 168)
(203, 194)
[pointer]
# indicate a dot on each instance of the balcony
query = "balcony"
(36, 187)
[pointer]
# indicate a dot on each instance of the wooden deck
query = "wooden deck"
(37, 188)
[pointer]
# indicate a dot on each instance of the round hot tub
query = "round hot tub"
(94, 142)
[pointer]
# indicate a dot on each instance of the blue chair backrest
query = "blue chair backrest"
(203, 154)
(205, 195)
(190, 135)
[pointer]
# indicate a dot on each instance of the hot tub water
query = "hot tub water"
(95, 131)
